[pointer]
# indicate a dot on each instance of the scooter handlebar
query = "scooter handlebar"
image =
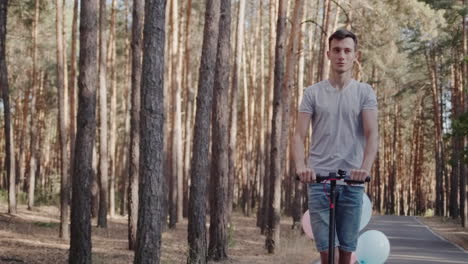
(319, 178)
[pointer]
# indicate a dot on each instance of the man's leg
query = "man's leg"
(319, 210)
(345, 257)
(348, 217)
(324, 256)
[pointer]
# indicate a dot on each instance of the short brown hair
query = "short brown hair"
(341, 34)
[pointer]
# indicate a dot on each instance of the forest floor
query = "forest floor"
(32, 237)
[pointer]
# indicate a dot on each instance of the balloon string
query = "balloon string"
(325, 191)
(326, 194)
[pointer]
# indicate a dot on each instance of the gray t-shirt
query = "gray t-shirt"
(338, 139)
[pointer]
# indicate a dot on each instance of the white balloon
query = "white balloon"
(373, 247)
(366, 212)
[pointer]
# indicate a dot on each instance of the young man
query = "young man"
(344, 136)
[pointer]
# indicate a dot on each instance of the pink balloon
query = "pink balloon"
(353, 258)
(306, 225)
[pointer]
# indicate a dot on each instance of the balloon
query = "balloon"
(373, 247)
(306, 226)
(353, 258)
(366, 212)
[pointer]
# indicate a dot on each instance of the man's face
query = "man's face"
(342, 55)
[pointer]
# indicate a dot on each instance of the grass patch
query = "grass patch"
(231, 240)
(46, 197)
(46, 224)
(3, 196)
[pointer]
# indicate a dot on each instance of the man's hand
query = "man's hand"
(359, 175)
(306, 175)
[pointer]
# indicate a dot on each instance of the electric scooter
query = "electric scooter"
(333, 177)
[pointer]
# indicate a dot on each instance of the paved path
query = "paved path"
(412, 242)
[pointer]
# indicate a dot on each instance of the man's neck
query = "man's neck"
(339, 80)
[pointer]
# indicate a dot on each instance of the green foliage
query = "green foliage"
(46, 197)
(22, 198)
(47, 224)
(3, 196)
(460, 125)
(231, 240)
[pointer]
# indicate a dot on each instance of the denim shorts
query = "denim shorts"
(347, 215)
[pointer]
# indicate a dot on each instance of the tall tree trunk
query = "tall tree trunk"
(262, 121)
(137, 30)
(266, 181)
(431, 64)
(297, 185)
(65, 179)
(323, 41)
(126, 102)
(72, 82)
(176, 120)
(33, 127)
(177, 146)
(287, 86)
(113, 109)
(233, 105)
(80, 242)
(189, 98)
(455, 174)
(151, 194)
(464, 142)
(273, 233)
(9, 140)
(199, 165)
(103, 155)
(218, 246)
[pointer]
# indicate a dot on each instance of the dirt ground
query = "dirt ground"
(32, 237)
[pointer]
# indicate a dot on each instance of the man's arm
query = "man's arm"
(371, 132)
(305, 174)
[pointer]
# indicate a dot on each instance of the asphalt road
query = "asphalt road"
(412, 242)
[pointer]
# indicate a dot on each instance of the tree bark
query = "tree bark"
(463, 169)
(455, 161)
(136, 45)
(177, 145)
(80, 242)
(65, 178)
(113, 109)
(266, 178)
(72, 82)
(199, 165)
(323, 41)
(176, 120)
(33, 124)
(430, 60)
(151, 194)
(233, 105)
(126, 101)
(103, 154)
(9, 140)
(287, 87)
(273, 233)
(298, 186)
(218, 247)
(188, 95)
